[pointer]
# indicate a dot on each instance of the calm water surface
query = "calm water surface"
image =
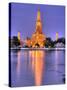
(37, 67)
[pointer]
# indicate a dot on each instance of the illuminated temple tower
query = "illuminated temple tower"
(57, 36)
(19, 36)
(38, 38)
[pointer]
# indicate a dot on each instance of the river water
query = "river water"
(37, 67)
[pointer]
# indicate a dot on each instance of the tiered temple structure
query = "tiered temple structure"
(38, 38)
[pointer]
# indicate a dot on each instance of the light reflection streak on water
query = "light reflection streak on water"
(37, 58)
(18, 63)
(56, 59)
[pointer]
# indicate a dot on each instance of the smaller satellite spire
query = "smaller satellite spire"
(19, 36)
(56, 36)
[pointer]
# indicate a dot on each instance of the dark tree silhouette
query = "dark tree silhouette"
(49, 42)
(15, 42)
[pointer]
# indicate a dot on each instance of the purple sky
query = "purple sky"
(23, 19)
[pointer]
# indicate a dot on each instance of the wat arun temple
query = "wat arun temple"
(37, 39)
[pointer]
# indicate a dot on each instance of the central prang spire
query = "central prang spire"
(38, 22)
(38, 15)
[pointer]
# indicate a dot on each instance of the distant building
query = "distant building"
(59, 45)
(28, 42)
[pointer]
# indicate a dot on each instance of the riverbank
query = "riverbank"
(38, 48)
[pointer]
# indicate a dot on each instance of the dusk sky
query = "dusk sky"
(23, 19)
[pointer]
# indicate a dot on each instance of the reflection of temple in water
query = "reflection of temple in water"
(37, 64)
(34, 63)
